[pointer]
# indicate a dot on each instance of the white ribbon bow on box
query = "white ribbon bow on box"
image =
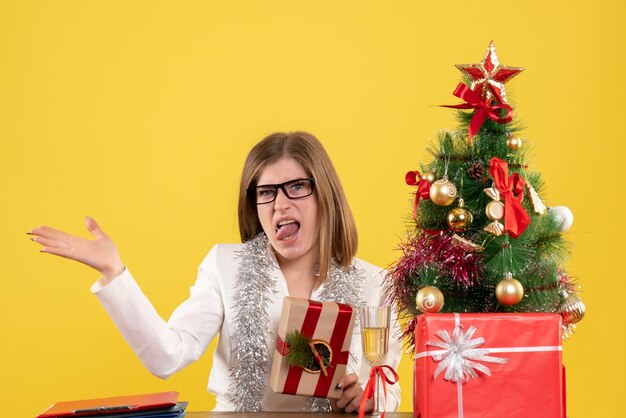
(459, 355)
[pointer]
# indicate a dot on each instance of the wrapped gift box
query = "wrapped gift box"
(515, 372)
(327, 321)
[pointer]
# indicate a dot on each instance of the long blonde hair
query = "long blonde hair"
(338, 237)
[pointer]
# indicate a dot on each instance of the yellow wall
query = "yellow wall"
(140, 114)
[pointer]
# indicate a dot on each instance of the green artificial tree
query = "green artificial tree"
(480, 238)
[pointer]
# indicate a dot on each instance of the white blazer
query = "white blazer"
(166, 347)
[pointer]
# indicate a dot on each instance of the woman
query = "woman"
(299, 239)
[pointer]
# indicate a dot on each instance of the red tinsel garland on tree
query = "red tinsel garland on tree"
(423, 250)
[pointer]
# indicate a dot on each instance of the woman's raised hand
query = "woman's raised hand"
(99, 253)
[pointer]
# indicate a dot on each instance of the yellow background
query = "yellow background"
(141, 113)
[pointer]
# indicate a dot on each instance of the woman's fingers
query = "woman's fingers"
(93, 227)
(348, 380)
(369, 405)
(352, 398)
(48, 232)
(355, 405)
(52, 243)
(61, 252)
(73, 248)
(352, 394)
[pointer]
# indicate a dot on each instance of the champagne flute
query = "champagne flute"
(375, 338)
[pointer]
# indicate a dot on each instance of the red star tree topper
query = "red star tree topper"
(488, 76)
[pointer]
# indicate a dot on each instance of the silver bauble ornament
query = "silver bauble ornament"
(564, 216)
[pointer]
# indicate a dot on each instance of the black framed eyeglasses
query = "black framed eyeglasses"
(293, 189)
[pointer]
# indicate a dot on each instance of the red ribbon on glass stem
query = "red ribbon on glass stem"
(482, 109)
(511, 189)
(414, 178)
(371, 386)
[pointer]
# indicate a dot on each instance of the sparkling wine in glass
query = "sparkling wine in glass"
(375, 345)
(375, 339)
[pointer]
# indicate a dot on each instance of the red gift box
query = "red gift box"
(488, 365)
(329, 322)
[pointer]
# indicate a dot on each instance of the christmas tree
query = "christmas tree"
(480, 238)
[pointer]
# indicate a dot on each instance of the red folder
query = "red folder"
(108, 406)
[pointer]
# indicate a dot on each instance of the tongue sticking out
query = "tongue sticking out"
(287, 230)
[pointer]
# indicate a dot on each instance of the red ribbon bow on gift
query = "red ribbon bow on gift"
(511, 189)
(483, 109)
(423, 188)
(371, 386)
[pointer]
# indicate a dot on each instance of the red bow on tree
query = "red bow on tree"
(414, 178)
(483, 109)
(511, 189)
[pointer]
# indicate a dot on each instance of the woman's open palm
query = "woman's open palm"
(99, 253)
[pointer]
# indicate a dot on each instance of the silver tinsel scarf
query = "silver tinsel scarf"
(251, 361)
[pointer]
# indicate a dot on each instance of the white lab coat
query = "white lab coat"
(166, 347)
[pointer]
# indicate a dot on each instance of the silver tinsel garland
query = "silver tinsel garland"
(251, 361)
(341, 286)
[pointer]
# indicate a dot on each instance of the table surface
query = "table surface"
(286, 414)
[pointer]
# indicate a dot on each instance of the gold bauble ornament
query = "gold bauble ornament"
(429, 299)
(514, 143)
(459, 218)
(430, 177)
(443, 192)
(509, 291)
(572, 310)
